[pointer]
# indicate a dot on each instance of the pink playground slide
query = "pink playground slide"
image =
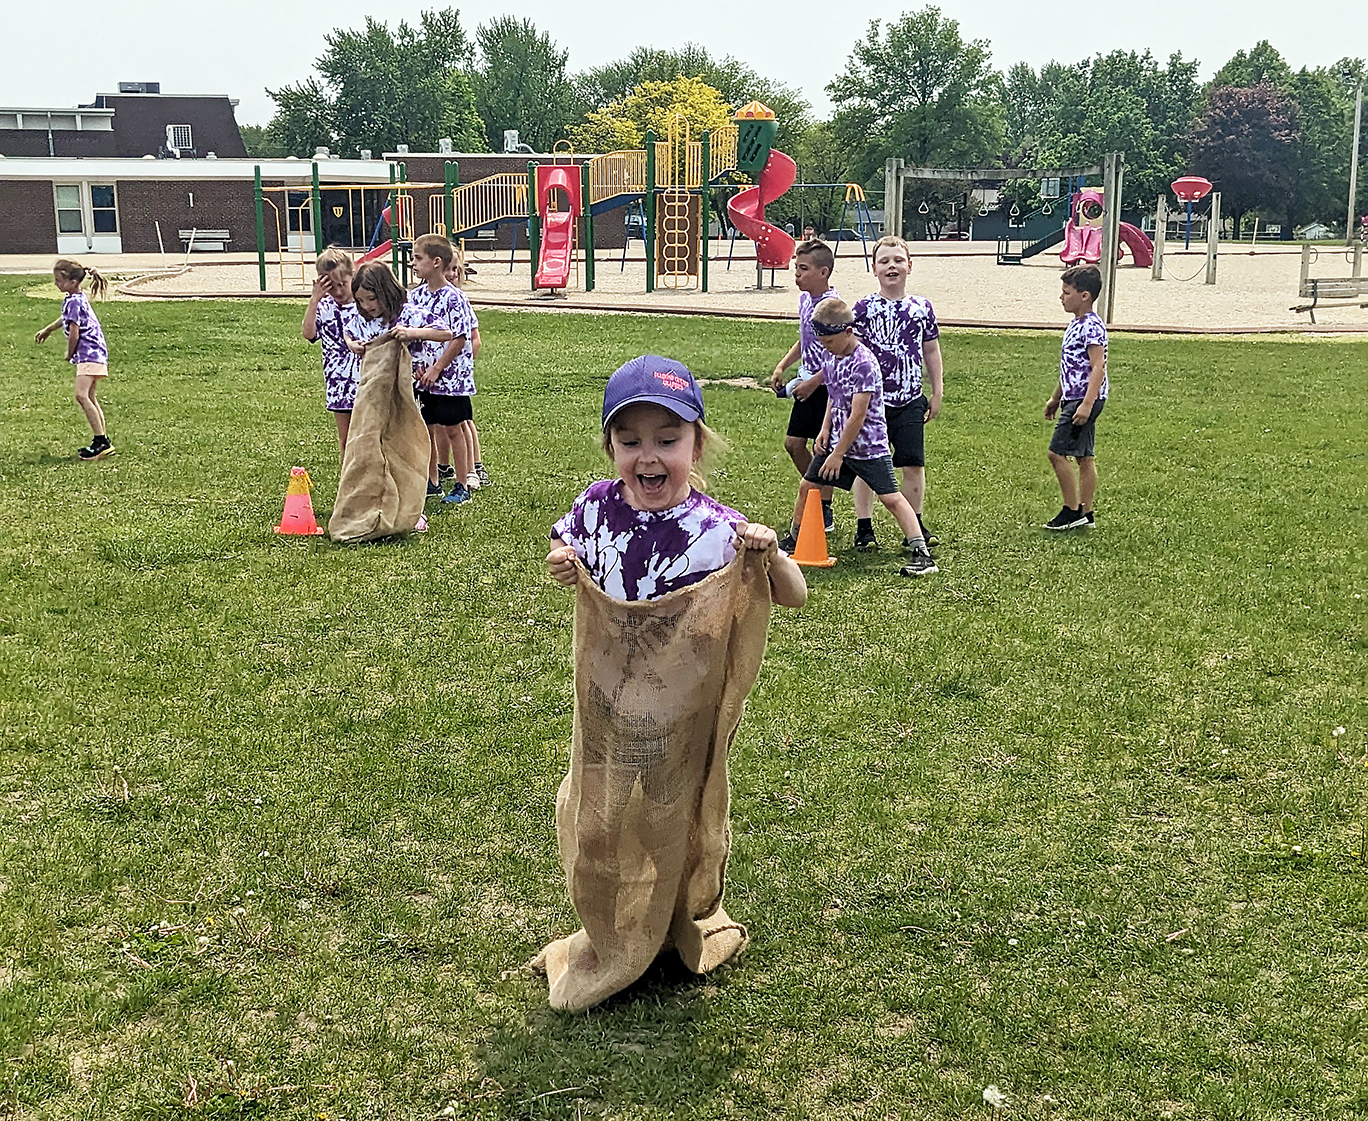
(381, 250)
(553, 266)
(557, 226)
(773, 247)
(1083, 234)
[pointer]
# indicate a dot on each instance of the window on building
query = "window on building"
(178, 137)
(103, 212)
(69, 208)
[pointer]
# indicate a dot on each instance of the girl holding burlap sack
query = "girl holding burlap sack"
(669, 632)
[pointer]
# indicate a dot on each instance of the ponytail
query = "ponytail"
(74, 270)
(99, 286)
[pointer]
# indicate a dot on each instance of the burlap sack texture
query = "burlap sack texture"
(385, 471)
(641, 817)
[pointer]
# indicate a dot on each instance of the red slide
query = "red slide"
(383, 248)
(1142, 249)
(553, 266)
(773, 247)
(557, 226)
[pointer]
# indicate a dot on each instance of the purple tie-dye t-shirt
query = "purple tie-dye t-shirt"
(90, 347)
(333, 323)
(644, 554)
(857, 372)
(1074, 366)
(368, 330)
(448, 307)
(897, 331)
(813, 357)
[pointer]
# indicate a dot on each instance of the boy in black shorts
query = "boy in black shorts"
(812, 265)
(1082, 391)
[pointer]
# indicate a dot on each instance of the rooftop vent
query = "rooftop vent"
(140, 87)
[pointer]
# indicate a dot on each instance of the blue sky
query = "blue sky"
(243, 47)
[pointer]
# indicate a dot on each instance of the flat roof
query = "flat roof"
(112, 168)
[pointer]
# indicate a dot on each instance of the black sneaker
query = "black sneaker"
(828, 517)
(1067, 519)
(919, 563)
(445, 471)
(98, 448)
(865, 540)
(788, 542)
(434, 490)
(485, 480)
(928, 535)
(1091, 522)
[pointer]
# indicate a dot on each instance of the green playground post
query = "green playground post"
(451, 176)
(260, 232)
(317, 199)
(394, 220)
(533, 219)
(588, 212)
(703, 210)
(650, 209)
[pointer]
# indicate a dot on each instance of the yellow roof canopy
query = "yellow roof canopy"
(754, 111)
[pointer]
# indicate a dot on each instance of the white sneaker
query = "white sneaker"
(472, 482)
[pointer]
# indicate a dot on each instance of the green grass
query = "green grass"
(1070, 818)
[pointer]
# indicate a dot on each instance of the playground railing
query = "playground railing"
(617, 173)
(485, 202)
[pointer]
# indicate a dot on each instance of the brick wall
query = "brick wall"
(28, 217)
(218, 205)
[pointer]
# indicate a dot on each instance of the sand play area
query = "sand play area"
(1254, 291)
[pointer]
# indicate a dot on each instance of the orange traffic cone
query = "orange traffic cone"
(298, 518)
(812, 546)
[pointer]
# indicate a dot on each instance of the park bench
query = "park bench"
(208, 241)
(1333, 291)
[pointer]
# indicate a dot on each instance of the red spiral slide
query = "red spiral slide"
(773, 247)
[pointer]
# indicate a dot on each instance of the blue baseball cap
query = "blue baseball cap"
(656, 380)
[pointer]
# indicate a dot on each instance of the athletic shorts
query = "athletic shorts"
(806, 419)
(1072, 439)
(878, 473)
(443, 408)
(906, 429)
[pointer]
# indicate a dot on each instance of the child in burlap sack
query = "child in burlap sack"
(669, 632)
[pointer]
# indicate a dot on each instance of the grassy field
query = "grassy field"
(1082, 817)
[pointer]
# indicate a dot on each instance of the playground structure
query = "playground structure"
(1188, 189)
(668, 182)
(1083, 233)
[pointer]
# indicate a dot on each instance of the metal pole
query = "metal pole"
(1353, 169)
(650, 231)
(587, 209)
(1213, 236)
(394, 220)
(1160, 233)
(317, 199)
(261, 232)
(1113, 171)
(533, 220)
(1187, 238)
(451, 175)
(703, 211)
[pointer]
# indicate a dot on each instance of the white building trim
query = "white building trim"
(48, 168)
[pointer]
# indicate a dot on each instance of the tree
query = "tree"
(1261, 66)
(623, 122)
(1245, 142)
(260, 142)
(520, 82)
(737, 83)
(914, 88)
(380, 89)
(1121, 102)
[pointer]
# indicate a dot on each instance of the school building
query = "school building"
(140, 171)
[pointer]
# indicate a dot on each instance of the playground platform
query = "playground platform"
(1253, 295)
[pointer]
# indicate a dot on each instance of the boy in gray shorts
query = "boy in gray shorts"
(1081, 391)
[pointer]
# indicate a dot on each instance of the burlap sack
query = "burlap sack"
(642, 816)
(385, 470)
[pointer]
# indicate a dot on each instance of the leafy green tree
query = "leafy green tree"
(379, 89)
(1246, 143)
(914, 88)
(737, 82)
(623, 122)
(304, 119)
(520, 82)
(1262, 65)
(261, 142)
